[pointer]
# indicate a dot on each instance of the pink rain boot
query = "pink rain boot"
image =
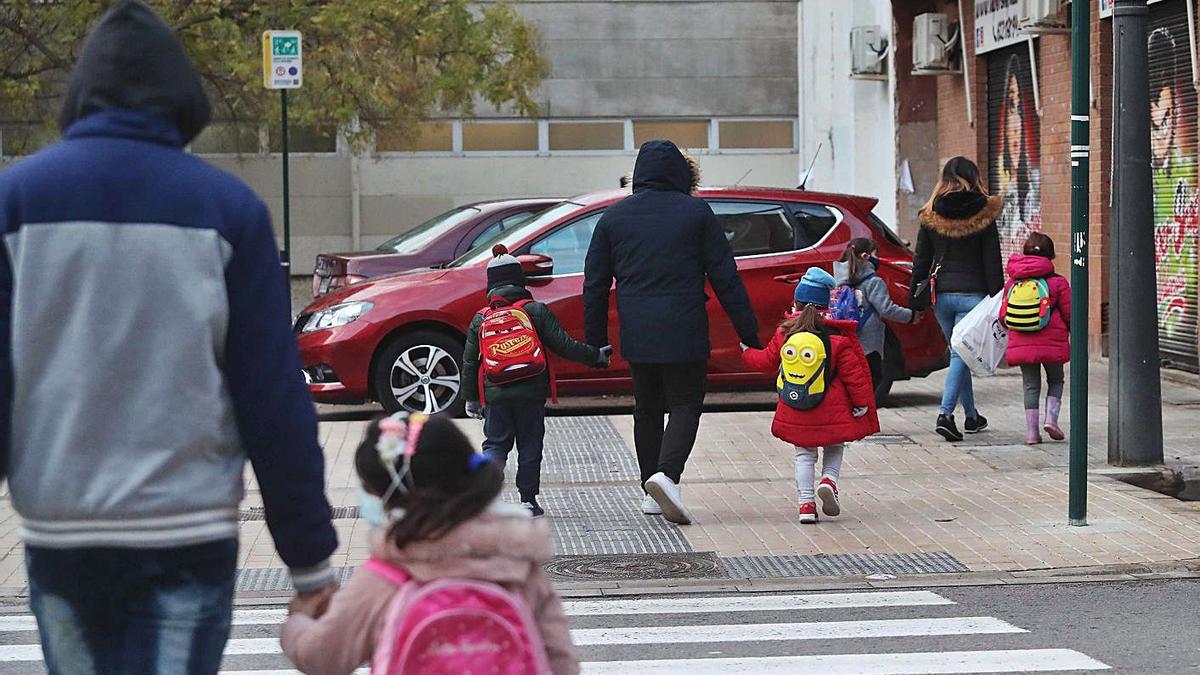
(1033, 437)
(1053, 407)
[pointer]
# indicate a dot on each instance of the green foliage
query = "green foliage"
(386, 61)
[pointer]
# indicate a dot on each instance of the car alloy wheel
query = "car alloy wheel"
(420, 372)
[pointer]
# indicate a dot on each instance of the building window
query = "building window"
(759, 135)
(429, 137)
(587, 136)
(500, 137)
(226, 138)
(25, 139)
(305, 139)
(683, 133)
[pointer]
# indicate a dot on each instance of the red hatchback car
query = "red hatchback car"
(435, 242)
(398, 340)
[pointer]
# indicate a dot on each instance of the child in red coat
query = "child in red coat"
(846, 408)
(1046, 348)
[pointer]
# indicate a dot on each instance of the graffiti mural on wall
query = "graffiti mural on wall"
(1015, 145)
(1173, 158)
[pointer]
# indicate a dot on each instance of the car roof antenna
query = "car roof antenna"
(739, 181)
(808, 174)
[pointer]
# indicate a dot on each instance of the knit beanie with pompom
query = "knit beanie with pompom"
(504, 269)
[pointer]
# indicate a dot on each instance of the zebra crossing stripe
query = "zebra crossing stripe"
(994, 661)
(824, 630)
(679, 605)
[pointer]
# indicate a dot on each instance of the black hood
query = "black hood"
(960, 204)
(661, 166)
(133, 61)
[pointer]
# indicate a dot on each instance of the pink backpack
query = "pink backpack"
(455, 626)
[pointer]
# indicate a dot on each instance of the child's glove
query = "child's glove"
(474, 410)
(605, 356)
(858, 412)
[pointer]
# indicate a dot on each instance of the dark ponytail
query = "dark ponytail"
(853, 255)
(446, 489)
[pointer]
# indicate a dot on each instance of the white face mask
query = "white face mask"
(370, 507)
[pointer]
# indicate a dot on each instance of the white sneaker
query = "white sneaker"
(666, 493)
(650, 507)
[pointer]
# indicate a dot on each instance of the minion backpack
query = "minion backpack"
(804, 370)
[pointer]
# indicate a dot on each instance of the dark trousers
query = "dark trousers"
(126, 610)
(522, 423)
(659, 389)
(875, 363)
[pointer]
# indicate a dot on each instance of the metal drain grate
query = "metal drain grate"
(888, 439)
(605, 520)
(257, 513)
(850, 564)
(272, 579)
(642, 566)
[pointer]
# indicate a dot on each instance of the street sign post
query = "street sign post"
(1080, 163)
(283, 69)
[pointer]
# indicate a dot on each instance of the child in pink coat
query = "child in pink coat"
(444, 524)
(1048, 348)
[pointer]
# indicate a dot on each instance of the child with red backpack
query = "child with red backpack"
(1036, 309)
(506, 375)
(825, 395)
(455, 581)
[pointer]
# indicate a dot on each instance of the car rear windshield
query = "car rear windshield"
(886, 232)
(509, 237)
(428, 232)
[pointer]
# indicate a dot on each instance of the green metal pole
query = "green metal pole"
(287, 210)
(1080, 78)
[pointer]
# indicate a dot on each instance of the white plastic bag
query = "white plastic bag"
(980, 339)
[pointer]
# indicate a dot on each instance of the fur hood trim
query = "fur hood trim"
(957, 228)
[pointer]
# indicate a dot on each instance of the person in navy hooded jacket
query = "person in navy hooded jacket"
(661, 244)
(145, 354)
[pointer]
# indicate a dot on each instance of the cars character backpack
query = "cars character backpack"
(509, 346)
(804, 370)
(455, 627)
(1028, 306)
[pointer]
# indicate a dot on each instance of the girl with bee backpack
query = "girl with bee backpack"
(1036, 309)
(825, 395)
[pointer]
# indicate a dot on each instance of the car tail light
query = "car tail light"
(323, 285)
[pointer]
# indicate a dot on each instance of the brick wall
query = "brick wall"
(956, 134)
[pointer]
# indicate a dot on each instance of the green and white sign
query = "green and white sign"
(283, 66)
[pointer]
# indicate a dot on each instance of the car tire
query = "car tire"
(418, 367)
(893, 369)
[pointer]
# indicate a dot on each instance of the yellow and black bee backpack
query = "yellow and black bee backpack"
(1028, 306)
(804, 370)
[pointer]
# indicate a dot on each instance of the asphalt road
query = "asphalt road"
(1126, 627)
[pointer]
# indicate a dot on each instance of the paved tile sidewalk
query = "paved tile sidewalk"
(991, 503)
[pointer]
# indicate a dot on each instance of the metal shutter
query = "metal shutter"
(1014, 146)
(1173, 151)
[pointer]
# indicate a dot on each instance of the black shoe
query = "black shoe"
(974, 425)
(946, 427)
(534, 510)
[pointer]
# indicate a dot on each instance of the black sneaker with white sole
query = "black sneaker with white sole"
(534, 509)
(947, 428)
(974, 425)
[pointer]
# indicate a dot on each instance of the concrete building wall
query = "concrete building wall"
(851, 119)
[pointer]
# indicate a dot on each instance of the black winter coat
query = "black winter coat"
(961, 231)
(660, 244)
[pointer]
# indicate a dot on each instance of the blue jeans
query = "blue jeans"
(522, 423)
(949, 310)
(124, 610)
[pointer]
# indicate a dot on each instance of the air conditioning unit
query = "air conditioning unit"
(1044, 16)
(935, 42)
(868, 53)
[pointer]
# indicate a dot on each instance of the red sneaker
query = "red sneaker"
(828, 493)
(808, 513)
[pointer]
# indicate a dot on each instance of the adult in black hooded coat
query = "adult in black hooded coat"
(959, 239)
(661, 244)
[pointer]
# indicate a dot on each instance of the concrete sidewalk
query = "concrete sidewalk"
(912, 503)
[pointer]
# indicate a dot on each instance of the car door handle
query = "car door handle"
(789, 278)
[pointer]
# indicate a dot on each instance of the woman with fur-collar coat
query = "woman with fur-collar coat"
(959, 239)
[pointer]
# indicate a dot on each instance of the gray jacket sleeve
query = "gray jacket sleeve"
(876, 292)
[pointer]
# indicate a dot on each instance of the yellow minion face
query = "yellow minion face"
(802, 359)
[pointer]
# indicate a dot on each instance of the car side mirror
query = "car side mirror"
(536, 265)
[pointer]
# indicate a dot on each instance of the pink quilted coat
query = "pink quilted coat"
(1052, 344)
